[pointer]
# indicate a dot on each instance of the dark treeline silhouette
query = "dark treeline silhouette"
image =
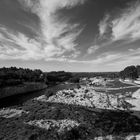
(15, 76)
(57, 77)
(138, 69)
(97, 74)
(132, 72)
(61, 76)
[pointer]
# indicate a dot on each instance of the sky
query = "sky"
(70, 35)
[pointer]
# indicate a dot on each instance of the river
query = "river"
(20, 99)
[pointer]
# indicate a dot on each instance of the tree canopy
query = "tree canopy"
(131, 72)
(13, 76)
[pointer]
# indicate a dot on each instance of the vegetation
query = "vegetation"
(117, 84)
(131, 72)
(123, 91)
(97, 74)
(92, 123)
(14, 76)
(57, 77)
(138, 69)
(75, 80)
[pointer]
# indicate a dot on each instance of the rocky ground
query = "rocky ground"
(74, 114)
(88, 97)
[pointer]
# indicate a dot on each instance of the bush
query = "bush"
(75, 80)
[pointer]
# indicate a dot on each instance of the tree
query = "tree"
(138, 69)
(129, 72)
(75, 80)
(14, 76)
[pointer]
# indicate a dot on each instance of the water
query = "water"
(20, 99)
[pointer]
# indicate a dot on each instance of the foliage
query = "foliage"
(138, 69)
(75, 79)
(97, 74)
(57, 77)
(93, 123)
(129, 72)
(14, 76)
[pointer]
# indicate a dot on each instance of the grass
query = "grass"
(117, 84)
(123, 91)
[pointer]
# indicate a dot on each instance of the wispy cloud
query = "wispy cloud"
(127, 26)
(56, 37)
(92, 49)
(103, 25)
(122, 29)
(115, 60)
(15, 45)
(124, 26)
(57, 33)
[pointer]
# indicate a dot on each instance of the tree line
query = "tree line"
(15, 76)
(55, 77)
(97, 74)
(131, 72)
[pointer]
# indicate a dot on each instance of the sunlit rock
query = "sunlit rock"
(59, 125)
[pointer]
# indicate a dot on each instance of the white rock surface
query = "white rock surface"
(59, 125)
(135, 101)
(85, 96)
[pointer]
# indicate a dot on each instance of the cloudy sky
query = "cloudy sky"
(70, 35)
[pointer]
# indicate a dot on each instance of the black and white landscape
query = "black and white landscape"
(69, 70)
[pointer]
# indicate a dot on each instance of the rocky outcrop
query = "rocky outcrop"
(59, 125)
(86, 96)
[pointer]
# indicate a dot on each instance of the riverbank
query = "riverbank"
(21, 89)
(20, 99)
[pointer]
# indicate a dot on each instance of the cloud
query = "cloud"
(129, 58)
(123, 26)
(49, 6)
(57, 33)
(18, 46)
(128, 24)
(103, 25)
(121, 58)
(56, 37)
(92, 49)
(116, 60)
